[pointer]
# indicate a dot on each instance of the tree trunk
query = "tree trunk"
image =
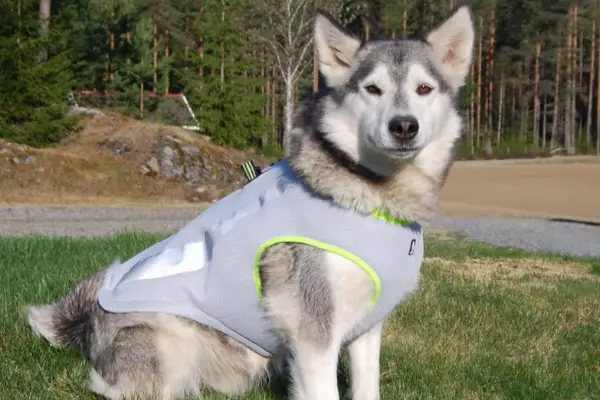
(274, 105)
(568, 118)
(289, 104)
(472, 111)
(588, 127)
(167, 80)
(155, 55)
(479, 61)
(554, 132)
(222, 46)
(598, 98)
(45, 11)
(490, 82)
(545, 121)
(141, 92)
(265, 89)
(574, 83)
(513, 103)
(500, 108)
(580, 85)
(404, 17)
(523, 101)
(201, 55)
(536, 95)
(110, 70)
(128, 38)
(20, 23)
(45, 7)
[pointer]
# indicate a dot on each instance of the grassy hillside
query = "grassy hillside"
(119, 159)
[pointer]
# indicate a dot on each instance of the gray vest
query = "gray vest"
(208, 270)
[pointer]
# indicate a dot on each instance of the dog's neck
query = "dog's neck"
(412, 193)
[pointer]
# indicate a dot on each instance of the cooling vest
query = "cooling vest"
(208, 271)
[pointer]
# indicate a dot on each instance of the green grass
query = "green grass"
(487, 323)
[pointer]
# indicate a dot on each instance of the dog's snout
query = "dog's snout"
(404, 128)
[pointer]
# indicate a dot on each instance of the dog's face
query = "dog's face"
(390, 99)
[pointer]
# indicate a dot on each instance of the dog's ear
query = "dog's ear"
(336, 48)
(452, 44)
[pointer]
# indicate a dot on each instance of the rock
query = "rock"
(15, 160)
(173, 139)
(153, 165)
(196, 166)
(6, 151)
(117, 146)
(201, 190)
(144, 170)
(193, 174)
(151, 168)
(168, 151)
(170, 162)
(86, 111)
(190, 150)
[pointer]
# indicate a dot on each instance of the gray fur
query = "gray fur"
(314, 299)
(399, 53)
(303, 280)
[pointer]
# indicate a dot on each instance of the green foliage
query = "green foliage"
(32, 99)
(230, 112)
(45, 126)
(217, 58)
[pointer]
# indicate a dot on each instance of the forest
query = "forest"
(243, 64)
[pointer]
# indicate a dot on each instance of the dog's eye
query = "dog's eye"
(424, 89)
(372, 89)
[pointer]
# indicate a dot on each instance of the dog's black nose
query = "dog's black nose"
(404, 128)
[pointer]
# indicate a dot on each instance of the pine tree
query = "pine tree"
(33, 96)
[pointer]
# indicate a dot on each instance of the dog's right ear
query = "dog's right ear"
(336, 48)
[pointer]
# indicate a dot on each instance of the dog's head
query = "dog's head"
(389, 99)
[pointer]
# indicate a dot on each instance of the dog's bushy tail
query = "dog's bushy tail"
(68, 322)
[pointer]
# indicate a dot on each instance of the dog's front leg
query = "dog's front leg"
(314, 371)
(364, 364)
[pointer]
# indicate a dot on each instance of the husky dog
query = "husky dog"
(379, 136)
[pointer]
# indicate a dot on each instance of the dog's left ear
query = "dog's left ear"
(452, 44)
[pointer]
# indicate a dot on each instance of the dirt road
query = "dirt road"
(566, 188)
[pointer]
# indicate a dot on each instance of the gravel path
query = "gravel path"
(531, 234)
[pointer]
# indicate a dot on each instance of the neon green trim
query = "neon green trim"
(249, 170)
(387, 217)
(320, 245)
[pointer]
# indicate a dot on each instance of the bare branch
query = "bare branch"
(301, 58)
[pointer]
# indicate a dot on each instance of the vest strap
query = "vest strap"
(251, 170)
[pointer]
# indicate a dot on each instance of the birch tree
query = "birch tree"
(289, 38)
(45, 6)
